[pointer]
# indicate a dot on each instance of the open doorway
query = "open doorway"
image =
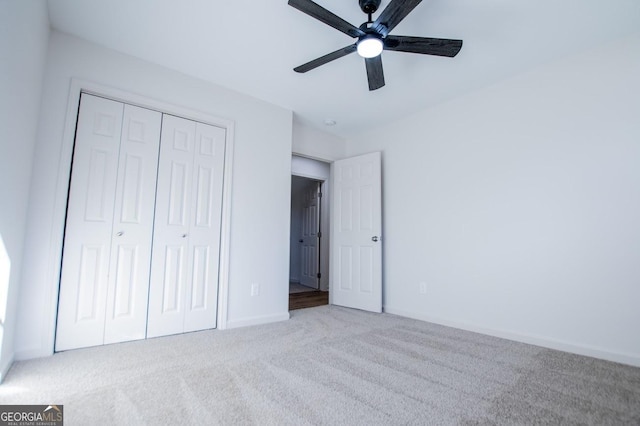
(309, 244)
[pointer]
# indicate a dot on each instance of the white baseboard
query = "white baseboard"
(545, 342)
(5, 369)
(266, 319)
(32, 353)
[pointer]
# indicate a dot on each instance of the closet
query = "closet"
(142, 233)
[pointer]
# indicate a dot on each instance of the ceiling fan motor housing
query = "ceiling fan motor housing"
(369, 6)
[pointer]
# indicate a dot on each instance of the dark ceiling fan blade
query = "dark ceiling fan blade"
(426, 46)
(321, 14)
(375, 75)
(326, 58)
(391, 16)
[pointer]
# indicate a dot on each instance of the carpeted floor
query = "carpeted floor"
(332, 366)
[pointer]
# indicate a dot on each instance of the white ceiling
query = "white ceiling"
(252, 46)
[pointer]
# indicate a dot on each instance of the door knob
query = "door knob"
(374, 239)
(120, 234)
(184, 235)
(301, 241)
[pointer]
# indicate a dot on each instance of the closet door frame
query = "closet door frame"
(79, 86)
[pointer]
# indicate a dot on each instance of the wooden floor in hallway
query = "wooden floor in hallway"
(301, 296)
(308, 299)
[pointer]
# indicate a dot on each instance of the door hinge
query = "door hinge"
(319, 275)
(319, 234)
(319, 194)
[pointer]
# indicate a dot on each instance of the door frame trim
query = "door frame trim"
(327, 199)
(78, 86)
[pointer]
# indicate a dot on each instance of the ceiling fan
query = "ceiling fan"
(373, 36)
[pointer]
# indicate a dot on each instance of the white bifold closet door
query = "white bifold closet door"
(185, 261)
(107, 245)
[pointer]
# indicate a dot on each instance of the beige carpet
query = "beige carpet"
(330, 366)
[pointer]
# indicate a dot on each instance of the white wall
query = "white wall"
(259, 243)
(307, 167)
(519, 206)
(24, 34)
(313, 143)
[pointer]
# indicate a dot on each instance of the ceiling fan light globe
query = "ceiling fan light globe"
(370, 47)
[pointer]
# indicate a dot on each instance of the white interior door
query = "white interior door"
(204, 235)
(356, 246)
(107, 251)
(128, 289)
(184, 271)
(171, 229)
(310, 229)
(113, 285)
(89, 225)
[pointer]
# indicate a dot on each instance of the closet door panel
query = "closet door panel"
(173, 279)
(87, 242)
(204, 235)
(126, 316)
(170, 270)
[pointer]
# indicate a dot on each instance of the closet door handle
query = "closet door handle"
(184, 235)
(120, 234)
